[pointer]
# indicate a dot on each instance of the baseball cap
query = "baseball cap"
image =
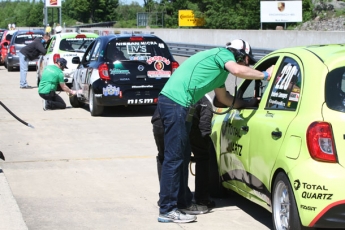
(62, 62)
(240, 44)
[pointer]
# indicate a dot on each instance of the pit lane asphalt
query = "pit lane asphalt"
(74, 171)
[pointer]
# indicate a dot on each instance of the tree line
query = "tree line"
(218, 14)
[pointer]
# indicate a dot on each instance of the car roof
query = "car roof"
(116, 36)
(324, 52)
(33, 31)
(73, 34)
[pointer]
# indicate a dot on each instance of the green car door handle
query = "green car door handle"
(277, 134)
(245, 128)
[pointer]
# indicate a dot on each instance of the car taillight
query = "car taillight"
(103, 72)
(80, 36)
(55, 57)
(13, 50)
(320, 142)
(174, 66)
(136, 39)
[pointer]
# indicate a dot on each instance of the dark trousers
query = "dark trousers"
(54, 101)
(201, 158)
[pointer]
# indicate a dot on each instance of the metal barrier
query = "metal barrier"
(187, 50)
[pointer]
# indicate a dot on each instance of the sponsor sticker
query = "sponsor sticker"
(111, 91)
(140, 101)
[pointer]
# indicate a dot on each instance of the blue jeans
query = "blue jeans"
(174, 190)
(23, 65)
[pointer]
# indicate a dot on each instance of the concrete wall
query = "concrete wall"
(266, 39)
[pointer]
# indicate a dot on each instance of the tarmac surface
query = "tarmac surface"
(76, 172)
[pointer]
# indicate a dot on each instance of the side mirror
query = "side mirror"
(218, 104)
(76, 60)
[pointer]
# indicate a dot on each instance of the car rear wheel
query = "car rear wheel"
(75, 103)
(9, 68)
(95, 109)
(284, 210)
(215, 181)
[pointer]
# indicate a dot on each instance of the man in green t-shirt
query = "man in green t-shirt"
(198, 75)
(52, 76)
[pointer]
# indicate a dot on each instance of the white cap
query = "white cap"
(240, 44)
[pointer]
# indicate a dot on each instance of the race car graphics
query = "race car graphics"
(140, 101)
(111, 91)
(119, 71)
(158, 59)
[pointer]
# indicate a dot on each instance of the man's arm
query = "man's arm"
(246, 72)
(41, 48)
(65, 88)
(226, 98)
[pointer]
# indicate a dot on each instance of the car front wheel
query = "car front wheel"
(95, 109)
(73, 100)
(284, 212)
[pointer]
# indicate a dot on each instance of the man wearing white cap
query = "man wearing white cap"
(198, 75)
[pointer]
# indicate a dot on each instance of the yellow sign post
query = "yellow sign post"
(186, 18)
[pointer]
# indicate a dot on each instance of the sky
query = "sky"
(141, 2)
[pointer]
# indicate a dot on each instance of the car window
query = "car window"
(286, 86)
(124, 49)
(1, 34)
(75, 44)
(51, 44)
(96, 51)
(256, 88)
(335, 89)
(87, 55)
(26, 38)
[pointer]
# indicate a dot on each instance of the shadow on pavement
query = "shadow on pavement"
(126, 111)
(255, 211)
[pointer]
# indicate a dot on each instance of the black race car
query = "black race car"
(122, 69)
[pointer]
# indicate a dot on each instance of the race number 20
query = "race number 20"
(286, 75)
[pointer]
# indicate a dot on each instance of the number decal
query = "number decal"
(286, 75)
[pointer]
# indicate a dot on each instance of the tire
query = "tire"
(73, 100)
(284, 209)
(215, 181)
(95, 109)
(9, 68)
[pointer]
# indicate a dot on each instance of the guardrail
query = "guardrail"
(187, 50)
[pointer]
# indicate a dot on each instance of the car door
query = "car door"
(83, 71)
(257, 133)
(271, 121)
(44, 59)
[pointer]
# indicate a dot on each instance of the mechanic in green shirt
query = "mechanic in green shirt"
(198, 75)
(52, 76)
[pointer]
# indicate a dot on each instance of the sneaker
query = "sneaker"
(195, 209)
(209, 203)
(44, 103)
(26, 87)
(176, 216)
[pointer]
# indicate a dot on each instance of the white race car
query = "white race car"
(67, 46)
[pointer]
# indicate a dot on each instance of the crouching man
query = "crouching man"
(51, 77)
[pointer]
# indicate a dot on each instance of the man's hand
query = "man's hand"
(269, 71)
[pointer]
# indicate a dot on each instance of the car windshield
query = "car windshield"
(1, 34)
(136, 50)
(75, 44)
(26, 38)
(335, 89)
